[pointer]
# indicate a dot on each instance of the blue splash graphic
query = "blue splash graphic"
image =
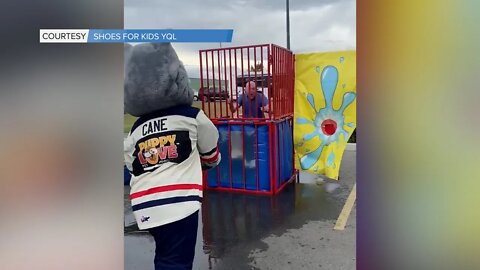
(325, 117)
(330, 159)
(301, 120)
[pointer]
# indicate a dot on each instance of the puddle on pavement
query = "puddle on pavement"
(233, 224)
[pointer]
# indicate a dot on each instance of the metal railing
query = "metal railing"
(224, 73)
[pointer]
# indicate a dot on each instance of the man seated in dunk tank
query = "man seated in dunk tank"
(254, 103)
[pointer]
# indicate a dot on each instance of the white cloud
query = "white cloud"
(316, 25)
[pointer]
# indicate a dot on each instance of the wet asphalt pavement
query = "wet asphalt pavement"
(293, 230)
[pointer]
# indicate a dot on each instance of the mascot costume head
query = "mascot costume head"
(155, 79)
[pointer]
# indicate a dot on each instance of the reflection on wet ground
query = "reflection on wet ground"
(234, 224)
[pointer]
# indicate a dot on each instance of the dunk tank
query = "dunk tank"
(256, 147)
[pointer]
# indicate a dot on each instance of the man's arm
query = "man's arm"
(265, 107)
(234, 105)
(207, 142)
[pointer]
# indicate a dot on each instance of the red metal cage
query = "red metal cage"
(256, 147)
(224, 73)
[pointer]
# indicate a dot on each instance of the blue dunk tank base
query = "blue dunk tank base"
(257, 157)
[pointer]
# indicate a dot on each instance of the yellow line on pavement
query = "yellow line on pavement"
(347, 208)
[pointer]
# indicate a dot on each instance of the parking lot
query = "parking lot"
(293, 230)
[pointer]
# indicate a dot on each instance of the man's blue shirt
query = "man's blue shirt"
(252, 108)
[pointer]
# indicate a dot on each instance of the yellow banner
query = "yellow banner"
(325, 110)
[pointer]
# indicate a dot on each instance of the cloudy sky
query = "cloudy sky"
(315, 25)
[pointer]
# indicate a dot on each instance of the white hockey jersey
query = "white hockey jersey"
(165, 152)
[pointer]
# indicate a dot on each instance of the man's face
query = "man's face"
(251, 90)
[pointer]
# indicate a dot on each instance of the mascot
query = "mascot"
(167, 148)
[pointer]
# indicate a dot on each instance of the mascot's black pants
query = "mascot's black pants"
(175, 244)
